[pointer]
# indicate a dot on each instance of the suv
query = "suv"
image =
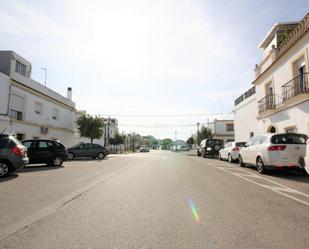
(13, 155)
(46, 151)
(274, 150)
(87, 150)
(209, 147)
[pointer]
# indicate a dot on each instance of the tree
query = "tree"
(204, 133)
(166, 143)
(190, 141)
(91, 127)
(117, 139)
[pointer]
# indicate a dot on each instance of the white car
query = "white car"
(306, 166)
(274, 150)
(230, 151)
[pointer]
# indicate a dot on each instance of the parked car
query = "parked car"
(209, 147)
(46, 151)
(274, 150)
(144, 148)
(87, 150)
(13, 155)
(183, 148)
(306, 159)
(230, 151)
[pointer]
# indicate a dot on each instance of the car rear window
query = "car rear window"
(289, 139)
(59, 145)
(241, 144)
(213, 142)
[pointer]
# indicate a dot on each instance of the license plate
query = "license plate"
(208, 148)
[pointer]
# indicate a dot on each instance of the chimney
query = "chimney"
(69, 93)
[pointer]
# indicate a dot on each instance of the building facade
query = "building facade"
(281, 99)
(30, 110)
(222, 130)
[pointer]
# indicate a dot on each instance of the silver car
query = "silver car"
(230, 151)
(274, 150)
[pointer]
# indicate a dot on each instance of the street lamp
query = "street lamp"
(198, 131)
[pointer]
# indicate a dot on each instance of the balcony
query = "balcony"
(267, 103)
(297, 86)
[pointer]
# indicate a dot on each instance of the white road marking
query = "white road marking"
(279, 188)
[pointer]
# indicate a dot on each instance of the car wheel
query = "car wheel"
(219, 157)
(260, 166)
(203, 153)
(57, 161)
(101, 155)
(198, 153)
(230, 159)
(241, 163)
(70, 156)
(5, 169)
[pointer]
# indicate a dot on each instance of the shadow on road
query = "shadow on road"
(8, 178)
(86, 159)
(35, 168)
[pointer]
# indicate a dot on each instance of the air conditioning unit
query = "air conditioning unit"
(44, 130)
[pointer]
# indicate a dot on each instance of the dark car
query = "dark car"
(87, 150)
(209, 147)
(46, 151)
(144, 148)
(13, 155)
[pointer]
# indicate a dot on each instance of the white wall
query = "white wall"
(245, 120)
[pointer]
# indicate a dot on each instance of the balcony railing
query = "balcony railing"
(267, 103)
(296, 86)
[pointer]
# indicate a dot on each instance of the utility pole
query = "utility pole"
(108, 123)
(197, 133)
(176, 141)
(45, 70)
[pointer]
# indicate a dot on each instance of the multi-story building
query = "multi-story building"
(245, 113)
(281, 101)
(222, 129)
(30, 110)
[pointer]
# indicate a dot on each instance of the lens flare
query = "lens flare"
(194, 210)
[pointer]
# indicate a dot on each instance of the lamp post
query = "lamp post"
(198, 131)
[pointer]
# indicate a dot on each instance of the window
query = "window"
(36, 138)
(291, 129)
(45, 144)
(38, 108)
(55, 114)
(229, 127)
(16, 115)
(251, 134)
(27, 144)
(20, 68)
(289, 139)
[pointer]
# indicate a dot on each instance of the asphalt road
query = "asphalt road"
(153, 200)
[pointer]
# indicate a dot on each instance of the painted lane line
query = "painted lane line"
(58, 205)
(274, 189)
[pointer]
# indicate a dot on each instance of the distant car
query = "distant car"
(49, 152)
(306, 159)
(209, 147)
(183, 148)
(87, 150)
(274, 150)
(13, 155)
(144, 148)
(230, 151)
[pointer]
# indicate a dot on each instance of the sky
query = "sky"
(154, 65)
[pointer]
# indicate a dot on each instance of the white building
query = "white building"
(281, 102)
(245, 113)
(222, 129)
(30, 110)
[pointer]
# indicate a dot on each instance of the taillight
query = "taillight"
(276, 147)
(235, 149)
(19, 150)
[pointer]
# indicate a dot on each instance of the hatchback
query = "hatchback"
(13, 155)
(306, 160)
(87, 150)
(230, 151)
(209, 147)
(46, 151)
(274, 150)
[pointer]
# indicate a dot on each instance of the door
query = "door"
(245, 152)
(225, 150)
(255, 148)
(30, 148)
(43, 152)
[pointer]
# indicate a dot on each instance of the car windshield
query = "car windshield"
(289, 138)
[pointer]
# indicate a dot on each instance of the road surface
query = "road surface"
(151, 200)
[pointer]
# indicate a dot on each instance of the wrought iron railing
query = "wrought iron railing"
(295, 86)
(267, 103)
